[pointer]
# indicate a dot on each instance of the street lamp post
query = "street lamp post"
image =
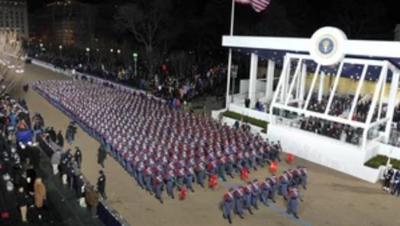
(60, 47)
(135, 57)
(88, 54)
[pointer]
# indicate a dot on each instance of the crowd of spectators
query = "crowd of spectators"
(22, 191)
(205, 80)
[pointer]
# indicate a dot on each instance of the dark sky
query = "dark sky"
(382, 14)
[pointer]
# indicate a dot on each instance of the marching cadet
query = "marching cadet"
(283, 185)
(274, 187)
(189, 178)
(170, 183)
(180, 177)
(221, 167)
(212, 168)
(238, 202)
(247, 197)
(253, 160)
(158, 187)
(265, 189)
(303, 177)
(200, 174)
(139, 174)
(255, 194)
(227, 206)
(229, 165)
(296, 181)
(293, 202)
(148, 174)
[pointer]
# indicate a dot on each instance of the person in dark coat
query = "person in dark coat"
(80, 186)
(60, 139)
(101, 156)
(52, 134)
(35, 156)
(22, 202)
(78, 156)
(101, 184)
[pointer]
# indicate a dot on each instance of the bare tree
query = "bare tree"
(146, 20)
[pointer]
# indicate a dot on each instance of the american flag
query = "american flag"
(257, 5)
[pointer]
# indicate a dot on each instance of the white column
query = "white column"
(270, 80)
(228, 82)
(321, 86)
(286, 77)
(303, 84)
(391, 105)
(253, 79)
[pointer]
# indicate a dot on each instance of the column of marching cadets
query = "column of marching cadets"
(246, 197)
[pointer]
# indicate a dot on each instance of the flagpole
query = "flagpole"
(228, 99)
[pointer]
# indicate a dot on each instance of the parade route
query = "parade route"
(332, 198)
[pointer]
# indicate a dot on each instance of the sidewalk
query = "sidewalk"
(63, 207)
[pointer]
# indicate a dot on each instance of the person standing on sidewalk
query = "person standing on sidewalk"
(101, 184)
(22, 201)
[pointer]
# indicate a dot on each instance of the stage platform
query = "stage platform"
(335, 154)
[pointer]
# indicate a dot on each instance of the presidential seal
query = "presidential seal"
(327, 46)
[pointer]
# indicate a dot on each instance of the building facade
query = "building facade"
(67, 22)
(14, 16)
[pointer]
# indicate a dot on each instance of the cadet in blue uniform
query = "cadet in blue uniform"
(189, 178)
(265, 189)
(158, 187)
(139, 174)
(148, 174)
(293, 202)
(170, 183)
(283, 185)
(274, 186)
(247, 198)
(227, 206)
(200, 174)
(221, 168)
(238, 199)
(255, 194)
(303, 177)
(229, 165)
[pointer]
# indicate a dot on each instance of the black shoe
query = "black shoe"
(229, 220)
(296, 216)
(241, 216)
